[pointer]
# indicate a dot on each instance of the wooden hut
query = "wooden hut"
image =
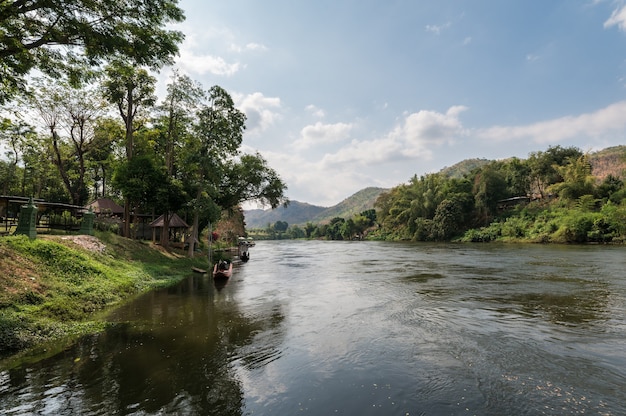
(177, 228)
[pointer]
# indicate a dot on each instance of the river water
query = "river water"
(357, 328)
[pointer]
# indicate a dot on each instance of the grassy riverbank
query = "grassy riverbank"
(56, 287)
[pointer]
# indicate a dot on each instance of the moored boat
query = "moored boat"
(223, 269)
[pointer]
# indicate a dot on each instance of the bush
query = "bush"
(575, 228)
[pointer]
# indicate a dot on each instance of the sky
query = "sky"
(346, 94)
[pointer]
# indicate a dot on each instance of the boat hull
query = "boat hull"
(221, 273)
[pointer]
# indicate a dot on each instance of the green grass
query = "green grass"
(50, 290)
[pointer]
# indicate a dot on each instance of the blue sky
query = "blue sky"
(345, 94)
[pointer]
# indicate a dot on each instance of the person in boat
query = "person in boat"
(223, 265)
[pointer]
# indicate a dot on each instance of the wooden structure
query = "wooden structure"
(177, 229)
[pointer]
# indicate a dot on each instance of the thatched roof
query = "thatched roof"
(175, 222)
(105, 206)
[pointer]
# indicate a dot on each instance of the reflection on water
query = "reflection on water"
(357, 328)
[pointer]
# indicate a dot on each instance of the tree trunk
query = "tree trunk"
(193, 238)
(165, 231)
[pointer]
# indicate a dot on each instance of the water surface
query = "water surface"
(368, 328)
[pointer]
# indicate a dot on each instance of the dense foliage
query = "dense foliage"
(68, 37)
(552, 196)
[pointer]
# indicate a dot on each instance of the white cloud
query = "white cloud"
(317, 112)
(256, 47)
(195, 59)
(618, 18)
(261, 111)
(415, 137)
(201, 64)
(313, 181)
(595, 125)
(320, 133)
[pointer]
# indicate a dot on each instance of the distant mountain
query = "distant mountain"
(295, 213)
(299, 213)
(349, 207)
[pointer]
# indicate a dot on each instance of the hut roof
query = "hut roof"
(105, 205)
(175, 222)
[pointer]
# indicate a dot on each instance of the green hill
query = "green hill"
(301, 213)
(353, 205)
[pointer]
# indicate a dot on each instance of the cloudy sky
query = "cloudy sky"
(346, 94)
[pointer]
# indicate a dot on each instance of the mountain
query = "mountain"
(295, 213)
(301, 213)
(351, 206)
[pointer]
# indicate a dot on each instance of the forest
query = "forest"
(81, 119)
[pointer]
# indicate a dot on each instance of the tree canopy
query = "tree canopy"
(61, 36)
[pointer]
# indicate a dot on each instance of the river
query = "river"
(356, 328)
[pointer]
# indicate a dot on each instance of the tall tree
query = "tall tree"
(217, 137)
(109, 135)
(57, 36)
(70, 116)
(131, 90)
(175, 123)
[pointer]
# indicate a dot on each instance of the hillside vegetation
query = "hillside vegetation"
(559, 195)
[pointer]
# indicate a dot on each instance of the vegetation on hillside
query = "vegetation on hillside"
(552, 196)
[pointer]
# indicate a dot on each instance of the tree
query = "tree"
(75, 112)
(448, 219)
(334, 228)
(131, 90)
(280, 226)
(543, 172)
(251, 179)
(108, 136)
(577, 179)
(216, 138)
(175, 124)
(139, 179)
(309, 228)
(489, 187)
(57, 36)
(15, 134)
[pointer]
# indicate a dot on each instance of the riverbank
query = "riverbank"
(56, 287)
